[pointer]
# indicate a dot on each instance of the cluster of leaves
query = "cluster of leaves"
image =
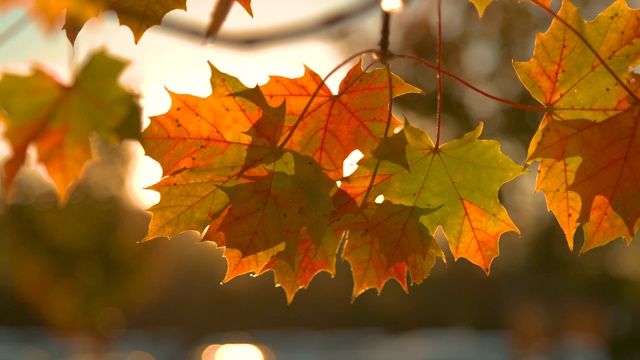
(259, 171)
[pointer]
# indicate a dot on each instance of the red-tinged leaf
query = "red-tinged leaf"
(204, 145)
(459, 181)
(554, 175)
(391, 243)
(580, 87)
(223, 169)
(336, 125)
(195, 130)
(369, 267)
(607, 176)
(276, 208)
(268, 130)
(201, 145)
(310, 260)
(568, 77)
(553, 179)
(58, 119)
(400, 232)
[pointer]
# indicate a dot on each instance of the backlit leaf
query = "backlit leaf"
(389, 244)
(311, 258)
(201, 145)
(275, 208)
(233, 167)
(605, 178)
(580, 71)
(457, 182)
(336, 125)
(268, 206)
(57, 119)
(138, 15)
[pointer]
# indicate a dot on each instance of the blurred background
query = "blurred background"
(76, 283)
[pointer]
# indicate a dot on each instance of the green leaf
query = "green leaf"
(460, 180)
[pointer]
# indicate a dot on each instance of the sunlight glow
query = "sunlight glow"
(391, 6)
(379, 199)
(143, 172)
(232, 352)
(350, 164)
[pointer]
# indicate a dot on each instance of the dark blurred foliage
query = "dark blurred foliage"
(80, 267)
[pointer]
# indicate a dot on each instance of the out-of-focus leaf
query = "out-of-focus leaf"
(58, 119)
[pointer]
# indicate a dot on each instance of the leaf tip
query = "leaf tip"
(481, 6)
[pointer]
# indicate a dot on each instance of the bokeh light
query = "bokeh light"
(231, 352)
(391, 6)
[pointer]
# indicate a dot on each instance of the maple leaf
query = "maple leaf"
(201, 144)
(275, 208)
(390, 242)
(580, 71)
(607, 176)
(138, 15)
(222, 150)
(291, 193)
(458, 181)
(226, 170)
(268, 207)
(58, 119)
(311, 258)
(335, 125)
(239, 264)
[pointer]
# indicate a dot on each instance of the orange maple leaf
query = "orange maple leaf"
(231, 169)
(606, 178)
(312, 257)
(206, 135)
(388, 241)
(580, 71)
(335, 125)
